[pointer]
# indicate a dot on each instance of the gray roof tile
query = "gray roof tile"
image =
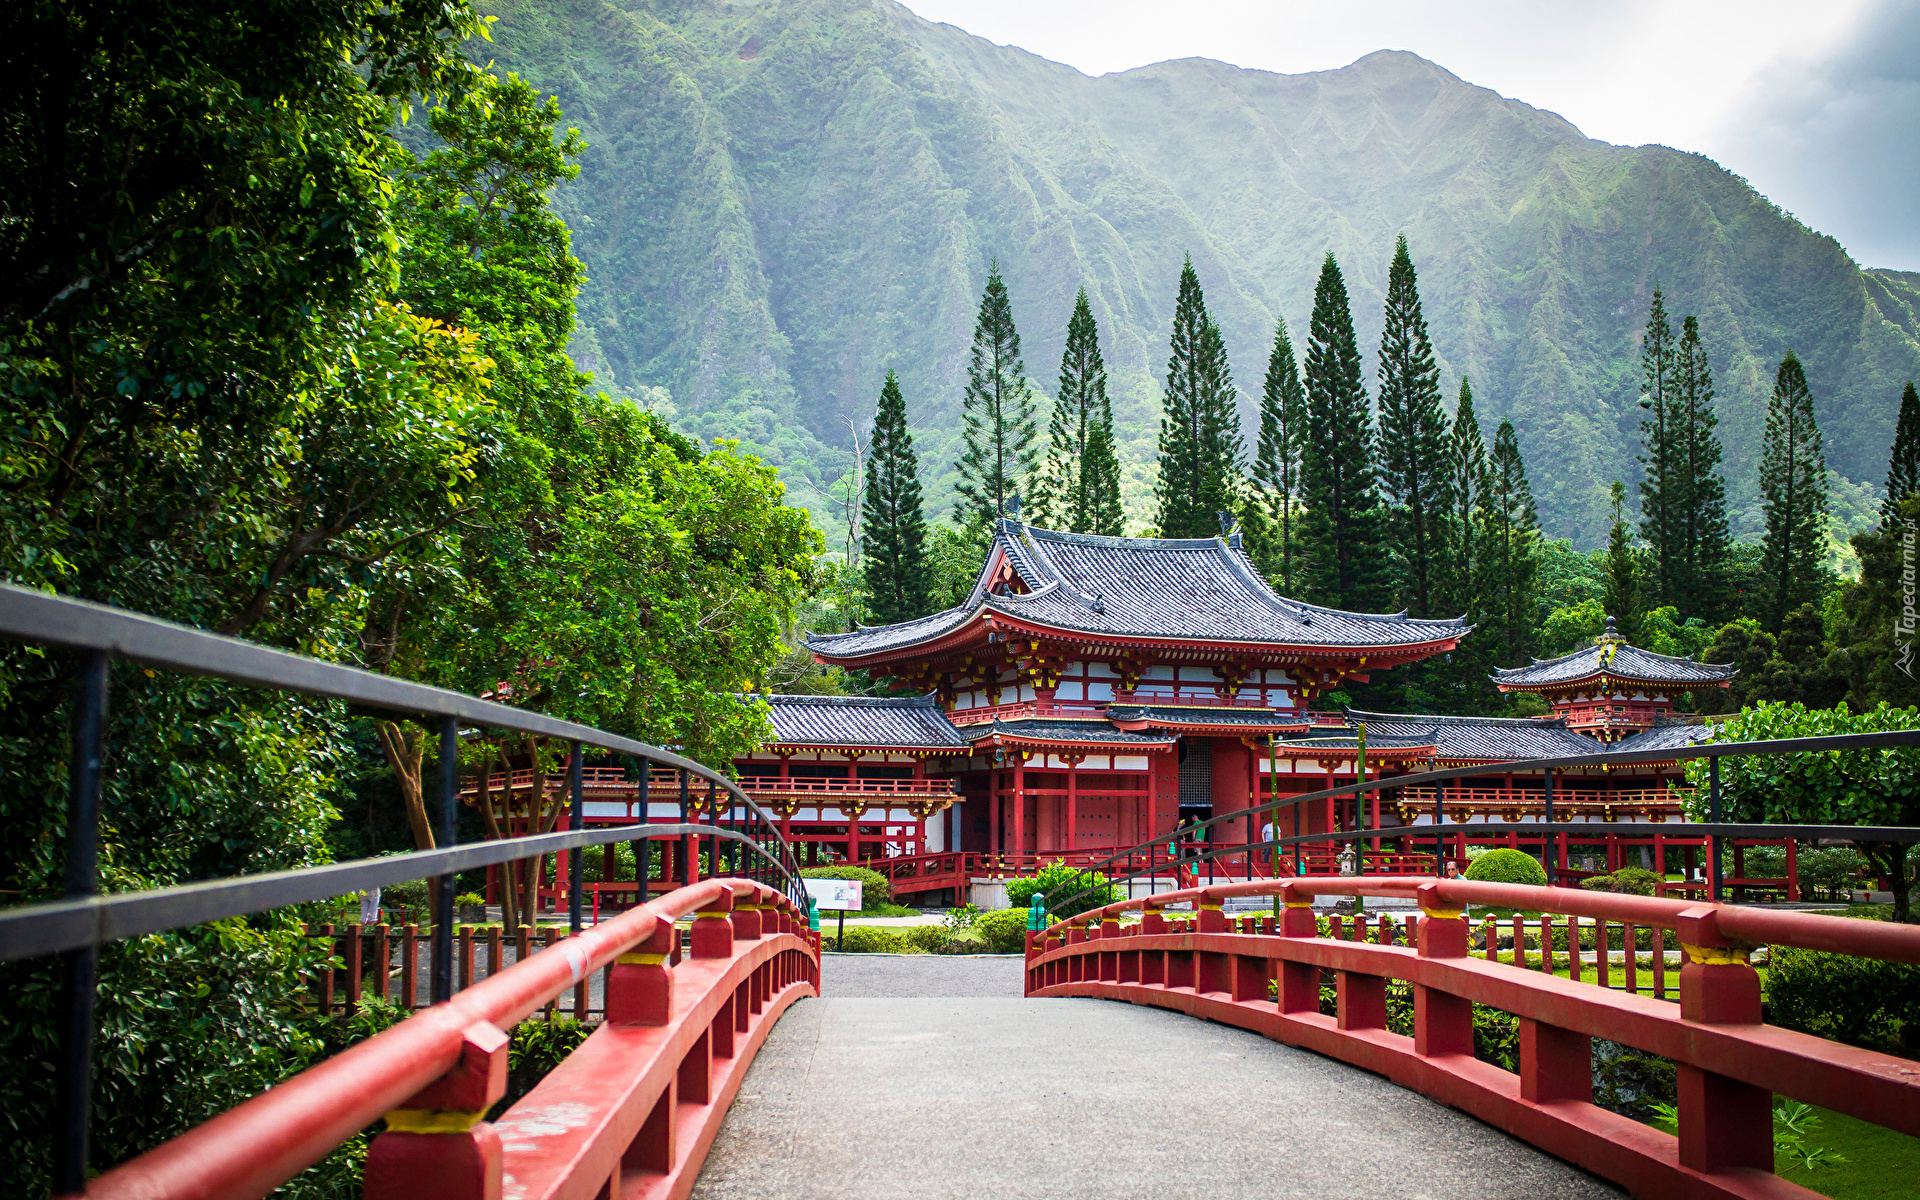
(1626, 662)
(1665, 737)
(1173, 716)
(911, 722)
(1146, 587)
(1491, 738)
(1048, 729)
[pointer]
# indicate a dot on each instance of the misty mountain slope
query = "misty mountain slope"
(784, 200)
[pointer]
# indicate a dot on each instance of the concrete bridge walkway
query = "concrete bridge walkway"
(931, 1077)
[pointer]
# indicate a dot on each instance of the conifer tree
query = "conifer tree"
(1274, 512)
(1793, 487)
(894, 530)
(1903, 467)
(1662, 486)
(1200, 446)
(998, 439)
(1413, 434)
(1512, 533)
(1078, 485)
(1462, 555)
(1700, 508)
(1622, 599)
(1343, 536)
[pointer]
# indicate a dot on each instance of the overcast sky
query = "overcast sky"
(1816, 103)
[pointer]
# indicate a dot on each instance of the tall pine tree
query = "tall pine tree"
(1903, 467)
(1200, 447)
(1793, 487)
(1663, 483)
(998, 448)
(1413, 435)
(1622, 599)
(1512, 536)
(1343, 536)
(1078, 487)
(1461, 554)
(1705, 541)
(1273, 513)
(893, 529)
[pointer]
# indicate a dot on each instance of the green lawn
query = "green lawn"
(1881, 1164)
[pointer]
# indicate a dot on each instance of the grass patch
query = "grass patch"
(1882, 1164)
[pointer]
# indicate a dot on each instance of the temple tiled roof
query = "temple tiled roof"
(1382, 741)
(1199, 588)
(911, 722)
(1174, 717)
(1046, 729)
(1665, 737)
(1618, 659)
(1493, 739)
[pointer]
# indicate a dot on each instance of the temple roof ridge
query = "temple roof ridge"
(1614, 656)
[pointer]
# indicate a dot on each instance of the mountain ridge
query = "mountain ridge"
(781, 201)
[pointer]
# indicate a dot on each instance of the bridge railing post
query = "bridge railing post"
(1442, 1021)
(1723, 1122)
(437, 1144)
(1299, 983)
(713, 927)
(639, 984)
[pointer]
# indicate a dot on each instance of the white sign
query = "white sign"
(834, 895)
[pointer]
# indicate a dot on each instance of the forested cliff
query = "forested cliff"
(780, 202)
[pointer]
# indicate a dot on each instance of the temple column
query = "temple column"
(1020, 807)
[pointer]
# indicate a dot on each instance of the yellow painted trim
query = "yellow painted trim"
(432, 1120)
(1717, 955)
(1296, 904)
(1443, 914)
(1211, 907)
(717, 914)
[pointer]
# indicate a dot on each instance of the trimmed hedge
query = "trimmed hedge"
(1003, 931)
(1056, 881)
(1631, 881)
(1506, 865)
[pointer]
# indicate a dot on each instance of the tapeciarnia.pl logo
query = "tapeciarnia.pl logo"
(1908, 621)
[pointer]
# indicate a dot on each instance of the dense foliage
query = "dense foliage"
(1503, 865)
(1200, 444)
(1078, 484)
(1854, 787)
(267, 368)
(893, 542)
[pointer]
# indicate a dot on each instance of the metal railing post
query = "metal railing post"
(1546, 841)
(642, 845)
(1713, 815)
(687, 843)
(79, 981)
(443, 885)
(576, 821)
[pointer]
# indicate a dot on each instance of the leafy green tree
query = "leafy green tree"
(1623, 600)
(1903, 465)
(998, 440)
(1344, 538)
(894, 539)
(1200, 447)
(1793, 485)
(1512, 532)
(1699, 573)
(1663, 486)
(1413, 436)
(1875, 637)
(1078, 486)
(1852, 787)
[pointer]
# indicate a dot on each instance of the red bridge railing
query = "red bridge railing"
(642, 1097)
(1728, 1063)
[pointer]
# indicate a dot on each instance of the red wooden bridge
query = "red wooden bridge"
(694, 982)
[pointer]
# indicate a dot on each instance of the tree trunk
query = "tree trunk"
(405, 745)
(1890, 859)
(509, 910)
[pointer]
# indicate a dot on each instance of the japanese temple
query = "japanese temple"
(1093, 693)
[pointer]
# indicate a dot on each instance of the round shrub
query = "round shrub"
(1631, 881)
(1057, 881)
(1003, 931)
(874, 891)
(1507, 866)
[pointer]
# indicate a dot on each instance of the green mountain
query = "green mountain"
(783, 200)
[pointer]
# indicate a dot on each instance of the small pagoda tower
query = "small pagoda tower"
(1612, 689)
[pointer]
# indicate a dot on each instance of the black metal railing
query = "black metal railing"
(1713, 829)
(76, 926)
